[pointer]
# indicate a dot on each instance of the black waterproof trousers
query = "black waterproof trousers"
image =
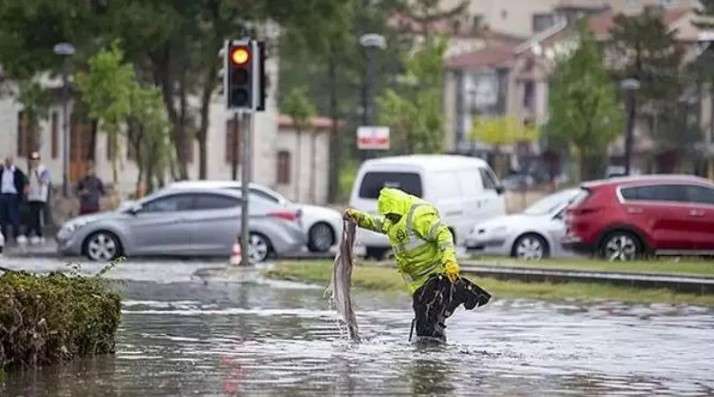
(437, 299)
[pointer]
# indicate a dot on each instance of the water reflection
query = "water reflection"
(255, 339)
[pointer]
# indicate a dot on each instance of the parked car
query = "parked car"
(183, 222)
(534, 234)
(321, 225)
(625, 218)
(464, 189)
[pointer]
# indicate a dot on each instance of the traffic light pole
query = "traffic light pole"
(247, 161)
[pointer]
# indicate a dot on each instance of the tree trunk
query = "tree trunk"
(313, 166)
(209, 85)
(335, 138)
(164, 78)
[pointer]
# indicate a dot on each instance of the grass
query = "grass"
(388, 280)
(695, 267)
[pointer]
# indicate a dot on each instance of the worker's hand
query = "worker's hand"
(350, 215)
(452, 270)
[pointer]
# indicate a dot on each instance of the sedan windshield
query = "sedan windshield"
(551, 204)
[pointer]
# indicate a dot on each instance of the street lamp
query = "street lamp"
(371, 42)
(630, 86)
(66, 50)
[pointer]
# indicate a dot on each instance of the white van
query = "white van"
(464, 189)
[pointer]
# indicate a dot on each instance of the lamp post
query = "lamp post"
(630, 86)
(371, 42)
(66, 50)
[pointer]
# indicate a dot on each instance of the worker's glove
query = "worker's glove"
(350, 215)
(452, 270)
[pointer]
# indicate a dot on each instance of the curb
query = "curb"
(691, 284)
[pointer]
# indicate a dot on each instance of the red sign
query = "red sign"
(373, 138)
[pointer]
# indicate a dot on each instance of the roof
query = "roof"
(428, 161)
(489, 57)
(601, 23)
(319, 122)
(657, 178)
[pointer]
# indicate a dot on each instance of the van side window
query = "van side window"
(489, 180)
(374, 181)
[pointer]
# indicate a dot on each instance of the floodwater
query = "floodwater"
(192, 336)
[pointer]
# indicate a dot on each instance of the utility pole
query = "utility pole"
(234, 149)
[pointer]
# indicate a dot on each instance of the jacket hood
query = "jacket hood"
(394, 201)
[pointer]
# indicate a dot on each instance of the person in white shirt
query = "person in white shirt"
(37, 196)
(12, 189)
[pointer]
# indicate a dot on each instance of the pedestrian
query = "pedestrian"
(90, 190)
(424, 251)
(37, 196)
(12, 189)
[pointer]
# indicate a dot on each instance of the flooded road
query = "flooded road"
(190, 336)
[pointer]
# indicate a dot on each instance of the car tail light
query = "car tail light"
(286, 215)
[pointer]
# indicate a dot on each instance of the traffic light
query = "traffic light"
(244, 78)
(239, 68)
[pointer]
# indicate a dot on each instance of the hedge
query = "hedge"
(48, 318)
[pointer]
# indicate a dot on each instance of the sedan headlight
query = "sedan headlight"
(70, 227)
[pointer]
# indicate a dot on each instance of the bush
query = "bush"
(48, 318)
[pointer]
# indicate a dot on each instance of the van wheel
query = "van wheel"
(621, 246)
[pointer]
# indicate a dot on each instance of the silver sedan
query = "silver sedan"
(183, 222)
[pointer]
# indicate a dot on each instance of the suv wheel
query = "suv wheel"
(621, 246)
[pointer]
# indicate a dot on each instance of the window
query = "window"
(24, 140)
(177, 202)
(283, 167)
(54, 134)
(528, 94)
(373, 182)
(214, 202)
(489, 180)
(232, 141)
(656, 193)
(542, 22)
(700, 194)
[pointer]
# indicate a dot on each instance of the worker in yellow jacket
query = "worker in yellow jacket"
(424, 251)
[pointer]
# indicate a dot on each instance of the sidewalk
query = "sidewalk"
(680, 283)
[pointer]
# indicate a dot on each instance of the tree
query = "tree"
(414, 113)
(35, 105)
(703, 66)
(583, 108)
(301, 110)
(106, 89)
(647, 50)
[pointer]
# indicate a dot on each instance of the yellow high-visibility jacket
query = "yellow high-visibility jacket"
(421, 243)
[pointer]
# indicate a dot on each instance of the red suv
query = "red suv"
(624, 218)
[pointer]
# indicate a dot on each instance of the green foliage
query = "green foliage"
(49, 318)
(414, 113)
(583, 108)
(647, 50)
(347, 176)
(505, 130)
(297, 105)
(35, 105)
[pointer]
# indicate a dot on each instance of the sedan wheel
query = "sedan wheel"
(621, 246)
(102, 246)
(259, 248)
(530, 247)
(321, 238)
